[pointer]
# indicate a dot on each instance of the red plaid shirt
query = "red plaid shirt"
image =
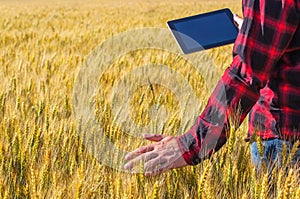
(263, 79)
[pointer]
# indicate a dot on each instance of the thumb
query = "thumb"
(238, 20)
(153, 137)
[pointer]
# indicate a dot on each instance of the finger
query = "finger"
(235, 19)
(154, 164)
(237, 16)
(154, 173)
(143, 158)
(160, 167)
(157, 171)
(153, 137)
(238, 20)
(139, 151)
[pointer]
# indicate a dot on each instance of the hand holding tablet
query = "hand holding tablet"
(204, 31)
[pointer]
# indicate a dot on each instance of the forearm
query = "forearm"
(211, 129)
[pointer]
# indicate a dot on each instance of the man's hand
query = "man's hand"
(238, 21)
(156, 158)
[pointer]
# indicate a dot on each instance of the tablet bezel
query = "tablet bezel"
(178, 37)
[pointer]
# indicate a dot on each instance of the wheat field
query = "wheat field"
(43, 46)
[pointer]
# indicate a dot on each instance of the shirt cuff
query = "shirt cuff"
(188, 148)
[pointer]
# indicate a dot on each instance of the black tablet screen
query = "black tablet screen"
(204, 31)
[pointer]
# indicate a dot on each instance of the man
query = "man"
(263, 79)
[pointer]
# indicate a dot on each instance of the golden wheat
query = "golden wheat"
(42, 47)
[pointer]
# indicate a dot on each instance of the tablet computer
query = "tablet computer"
(204, 31)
